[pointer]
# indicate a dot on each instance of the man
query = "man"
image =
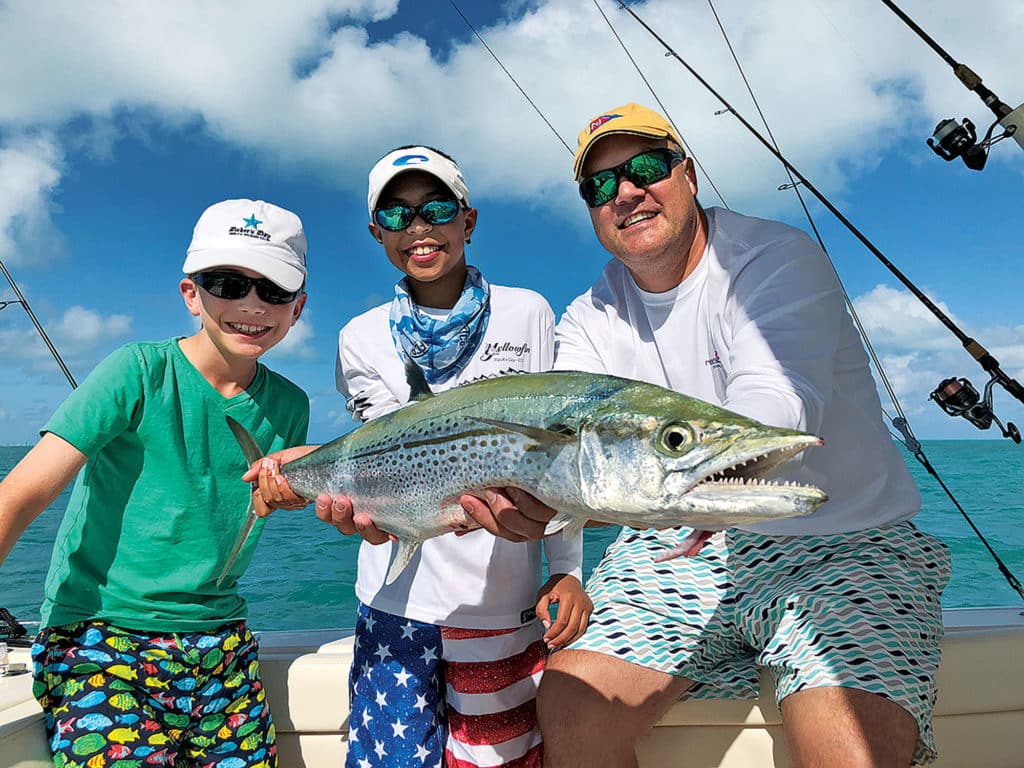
(842, 605)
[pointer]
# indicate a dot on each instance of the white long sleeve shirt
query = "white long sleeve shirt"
(474, 581)
(760, 328)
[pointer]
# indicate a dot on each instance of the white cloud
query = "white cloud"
(82, 335)
(181, 59)
(30, 169)
(85, 328)
(298, 344)
(301, 86)
(302, 83)
(897, 320)
(917, 352)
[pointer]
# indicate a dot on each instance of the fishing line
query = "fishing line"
(510, 76)
(544, 117)
(32, 316)
(664, 110)
(987, 361)
(900, 422)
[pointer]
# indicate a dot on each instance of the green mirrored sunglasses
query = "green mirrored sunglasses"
(641, 170)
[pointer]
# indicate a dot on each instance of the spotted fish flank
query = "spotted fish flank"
(590, 446)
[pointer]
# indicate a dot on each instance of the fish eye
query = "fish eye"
(675, 438)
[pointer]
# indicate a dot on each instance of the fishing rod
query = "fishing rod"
(32, 316)
(951, 139)
(957, 397)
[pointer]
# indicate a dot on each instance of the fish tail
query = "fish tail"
(250, 450)
(252, 454)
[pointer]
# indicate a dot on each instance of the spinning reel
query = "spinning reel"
(958, 397)
(951, 139)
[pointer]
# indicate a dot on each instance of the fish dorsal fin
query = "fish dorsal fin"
(418, 387)
(545, 437)
(250, 450)
(404, 553)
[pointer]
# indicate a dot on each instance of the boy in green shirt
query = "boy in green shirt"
(141, 656)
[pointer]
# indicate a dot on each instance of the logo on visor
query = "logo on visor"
(411, 160)
(597, 122)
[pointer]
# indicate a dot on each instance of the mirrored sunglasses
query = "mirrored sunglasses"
(397, 217)
(641, 170)
(234, 285)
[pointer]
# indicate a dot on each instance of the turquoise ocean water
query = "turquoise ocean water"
(303, 570)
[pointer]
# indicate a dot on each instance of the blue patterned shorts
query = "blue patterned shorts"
(113, 697)
(858, 610)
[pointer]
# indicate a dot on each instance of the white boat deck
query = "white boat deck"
(979, 719)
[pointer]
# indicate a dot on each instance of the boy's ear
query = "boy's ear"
(297, 309)
(190, 293)
(374, 228)
(470, 222)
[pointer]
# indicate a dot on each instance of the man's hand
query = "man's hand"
(337, 511)
(509, 513)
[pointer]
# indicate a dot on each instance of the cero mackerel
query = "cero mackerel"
(593, 447)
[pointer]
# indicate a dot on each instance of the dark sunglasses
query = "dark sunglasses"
(397, 217)
(234, 285)
(641, 170)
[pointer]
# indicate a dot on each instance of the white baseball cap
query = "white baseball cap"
(251, 234)
(415, 159)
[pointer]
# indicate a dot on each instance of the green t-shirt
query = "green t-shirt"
(156, 509)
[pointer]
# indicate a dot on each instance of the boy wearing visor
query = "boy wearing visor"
(448, 657)
(462, 618)
(142, 655)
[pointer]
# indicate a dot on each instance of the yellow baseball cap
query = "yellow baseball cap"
(630, 118)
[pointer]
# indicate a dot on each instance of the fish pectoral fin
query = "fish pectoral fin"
(545, 437)
(565, 523)
(689, 546)
(404, 552)
(418, 387)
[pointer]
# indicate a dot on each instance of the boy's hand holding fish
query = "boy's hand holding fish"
(271, 491)
(574, 609)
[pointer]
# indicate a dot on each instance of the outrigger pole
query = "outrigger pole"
(49, 344)
(987, 361)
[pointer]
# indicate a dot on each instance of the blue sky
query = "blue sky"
(119, 126)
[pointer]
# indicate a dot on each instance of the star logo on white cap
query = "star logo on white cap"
(252, 221)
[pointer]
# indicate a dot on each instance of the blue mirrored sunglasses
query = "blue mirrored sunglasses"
(397, 217)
